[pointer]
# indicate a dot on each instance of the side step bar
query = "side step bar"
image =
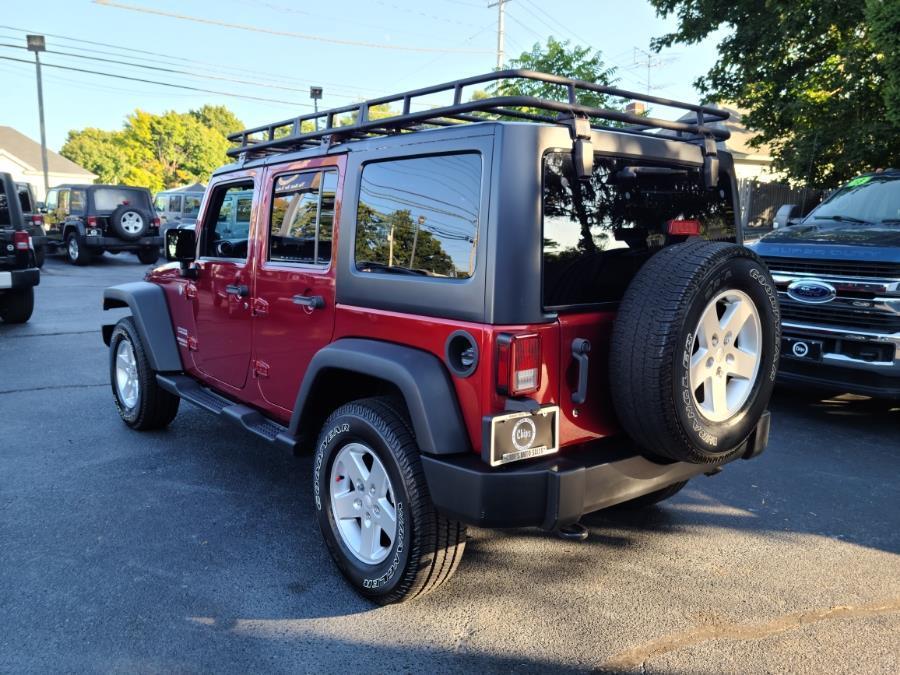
(252, 420)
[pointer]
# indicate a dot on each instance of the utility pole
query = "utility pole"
(649, 60)
(499, 4)
(36, 44)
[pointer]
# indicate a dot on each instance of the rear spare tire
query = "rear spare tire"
(129, 222)
(694, 351)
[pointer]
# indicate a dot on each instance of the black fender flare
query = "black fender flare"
(70, 225)
(420, 377)
(148, 306)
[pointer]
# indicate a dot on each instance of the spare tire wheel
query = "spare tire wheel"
(129, 222)
(694, 351)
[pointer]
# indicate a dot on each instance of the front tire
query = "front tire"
(76, 252)
(142, 403)
(374, 508)
(17, 306)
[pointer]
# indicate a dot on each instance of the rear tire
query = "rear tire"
(142, 403)
(416, 549)
(694, 351)
(148, 256)
(17, 306)
(76, 252)
(40, 255)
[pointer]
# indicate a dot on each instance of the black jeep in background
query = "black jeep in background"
(18, 272)
(86, 220)
(838, 276)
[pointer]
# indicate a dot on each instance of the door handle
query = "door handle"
(311, 301)
(237, 289)
(580, 350)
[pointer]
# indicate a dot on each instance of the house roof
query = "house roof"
(28, 151)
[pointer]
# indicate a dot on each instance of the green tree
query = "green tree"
(818, 78)
(156, 151)
(558, 58)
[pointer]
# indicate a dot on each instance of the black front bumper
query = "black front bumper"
(555, 492)
(838, 379)
(116, 244)
(14, 279)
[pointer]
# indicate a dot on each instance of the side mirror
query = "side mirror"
(181, 245)
(787, 214)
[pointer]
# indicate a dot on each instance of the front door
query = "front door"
(223, 312)
(294, 298)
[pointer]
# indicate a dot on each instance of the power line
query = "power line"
(162, 59)
(162, 84)
(170, 70)
(270, 31)
(565, 30)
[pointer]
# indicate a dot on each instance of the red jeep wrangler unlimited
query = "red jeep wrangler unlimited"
(505, 312)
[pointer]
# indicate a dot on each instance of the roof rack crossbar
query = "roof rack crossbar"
(265, 139)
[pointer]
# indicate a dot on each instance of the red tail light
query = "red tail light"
(684, 227)
(518, 364)
(37, 219)
(155, 221)
(22, 240)
(92, 221)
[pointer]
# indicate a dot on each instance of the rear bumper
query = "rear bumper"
(116, 244)
(14, 279)
(557, 491)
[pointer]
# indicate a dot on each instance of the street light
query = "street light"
(36, 44)
(315, 93)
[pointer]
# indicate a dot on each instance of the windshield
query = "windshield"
(108, 199)
(867, 199)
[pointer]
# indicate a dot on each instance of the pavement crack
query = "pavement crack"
(55, 386)
(638, 656)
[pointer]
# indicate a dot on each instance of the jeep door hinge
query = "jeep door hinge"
(260, 369)
(260, 307)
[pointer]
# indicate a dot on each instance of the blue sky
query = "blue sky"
(276, 49)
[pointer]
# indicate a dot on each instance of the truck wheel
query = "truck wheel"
(40, 255)
(129, 222)
(651, 498)
(76, 252)
(694, 351)
(17, 306)
(374, 508)
(148, 256)
(141, 403)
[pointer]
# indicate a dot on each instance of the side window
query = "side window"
(191, 205)
(226, 225)
(302, 218)
(175, 204)
(419, 216)
(52, 200)
(76, 201)
(160, 203)
(64, 200)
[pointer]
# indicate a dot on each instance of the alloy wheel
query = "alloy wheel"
(132, 222)
(127, 384)
(727, 351)
(363, 504)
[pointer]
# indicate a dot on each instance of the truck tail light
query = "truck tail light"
(683, 227)
(92, 221)
(155, 221)
(37, 219)
(22, 240)
(518, 364)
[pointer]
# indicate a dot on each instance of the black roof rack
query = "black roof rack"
(288, 135)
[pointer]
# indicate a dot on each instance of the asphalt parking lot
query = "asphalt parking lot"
(196, 549)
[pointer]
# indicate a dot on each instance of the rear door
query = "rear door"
(294, 293)
(221, 347)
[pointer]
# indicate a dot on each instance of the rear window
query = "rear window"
(109, 199)
(419, 216)
(598, 233)
(25, 200)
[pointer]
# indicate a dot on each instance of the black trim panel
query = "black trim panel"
(147, 303)
(421, 378)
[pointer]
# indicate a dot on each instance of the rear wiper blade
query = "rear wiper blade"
(395, 269)
(842, 219)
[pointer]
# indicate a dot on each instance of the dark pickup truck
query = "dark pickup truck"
(19, 273)
(838, 275)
